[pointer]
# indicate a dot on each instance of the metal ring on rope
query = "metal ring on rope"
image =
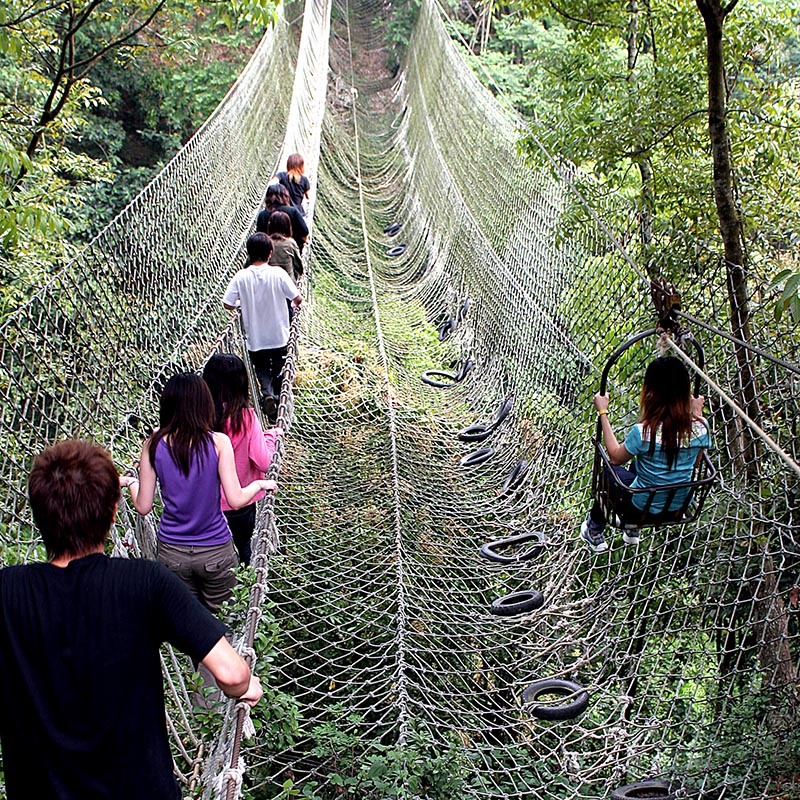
(515, 475)
(397, 250)
(517, 603)
(489, 549)
(658, 790)
(393, 229)
(478, 457)
(574, 708)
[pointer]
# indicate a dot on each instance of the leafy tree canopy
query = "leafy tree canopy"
(59, 146)
(621, 90)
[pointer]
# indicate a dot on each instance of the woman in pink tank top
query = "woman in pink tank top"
(253, 448)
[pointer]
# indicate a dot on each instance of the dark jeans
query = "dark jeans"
(242, 522)
(622, 502)
(268, 366)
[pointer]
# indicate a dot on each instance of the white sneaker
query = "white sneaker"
(631, 536)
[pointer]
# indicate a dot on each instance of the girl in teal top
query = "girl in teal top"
(665, 444)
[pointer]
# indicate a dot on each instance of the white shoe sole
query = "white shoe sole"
(597, 548)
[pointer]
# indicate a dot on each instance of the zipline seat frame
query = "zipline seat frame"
(616, 499)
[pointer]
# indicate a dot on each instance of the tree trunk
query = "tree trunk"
(769, 615)
(771, 629)
(640, 157)
(714, 14)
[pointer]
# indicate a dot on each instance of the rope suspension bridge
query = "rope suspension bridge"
(375, 612)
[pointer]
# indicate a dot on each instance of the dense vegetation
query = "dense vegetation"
(94, 99)
(625, 92)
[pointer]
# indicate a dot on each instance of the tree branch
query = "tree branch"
(666, 134)
(29, 14)
(588, 22)
(86, 63)
(728, 8)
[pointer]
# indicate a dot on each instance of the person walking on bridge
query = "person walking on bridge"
(81, 690)
(261, 290)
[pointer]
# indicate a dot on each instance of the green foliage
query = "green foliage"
(638, 121)
(276, 718)
(355, 767)
(789, 282)
(398, 27)
(756, 742)
(138, 78)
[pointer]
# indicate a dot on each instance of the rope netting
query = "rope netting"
(404, 681)
(88, 355)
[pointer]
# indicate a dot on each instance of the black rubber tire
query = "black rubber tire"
(476, 457)
(429, 377)
(462, 312)
(393, 229)
(514, 476)
(503, 411)
(397, 250)
(465, 369)
(517, 603)
(574, 708)
(475, 433)
(644, 789)
(446, 329)
(488, 549)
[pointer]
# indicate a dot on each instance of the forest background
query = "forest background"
(97, 96)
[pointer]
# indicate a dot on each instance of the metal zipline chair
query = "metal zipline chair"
(616, 499)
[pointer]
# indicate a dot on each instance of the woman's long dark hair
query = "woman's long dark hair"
(276, 197)
(186, 417)
(279, 225)
(226, 376)
(666, 403)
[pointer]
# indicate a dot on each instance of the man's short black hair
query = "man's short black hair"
(259, 248)
(74, 492)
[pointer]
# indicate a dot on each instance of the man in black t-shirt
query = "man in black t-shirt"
(81, 691)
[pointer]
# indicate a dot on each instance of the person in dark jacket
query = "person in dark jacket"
(277, 199)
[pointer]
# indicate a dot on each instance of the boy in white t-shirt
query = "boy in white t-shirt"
(262, 291)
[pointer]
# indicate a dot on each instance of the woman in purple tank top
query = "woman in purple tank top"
(191, 462)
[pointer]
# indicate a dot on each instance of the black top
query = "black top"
(297, 189)
(81, 691)
(299, 227)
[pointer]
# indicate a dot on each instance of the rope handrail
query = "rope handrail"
(389, 648)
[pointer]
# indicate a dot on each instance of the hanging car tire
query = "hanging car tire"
(446, 329)
(477, 457)
(397, 250)
(488, 551)
(431, 378)
(659, 790)
(465, 369)
(474, 433)
(503, 411)
(570, 710)
(517, 603)
(393, 229)
(514, 476)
